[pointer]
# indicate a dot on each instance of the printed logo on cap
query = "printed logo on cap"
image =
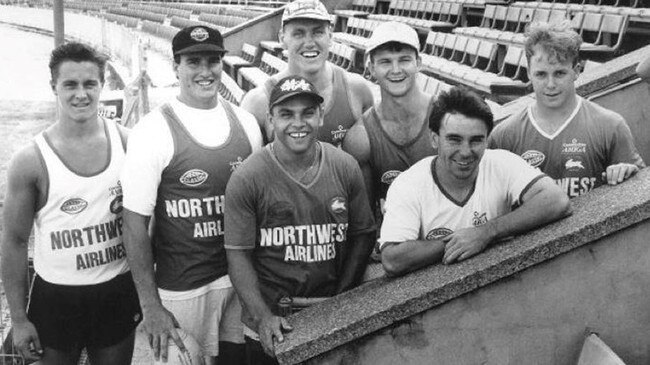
(199, 34)
(293, 85)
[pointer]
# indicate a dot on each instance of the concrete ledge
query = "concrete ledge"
(384, 301)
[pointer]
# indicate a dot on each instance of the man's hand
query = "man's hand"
(465, 243)
(616, 174)
(269, 327)
(26, 341)
(159, 324)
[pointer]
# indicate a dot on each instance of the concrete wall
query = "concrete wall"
(538, 316)
(632, 101)
(263, 28)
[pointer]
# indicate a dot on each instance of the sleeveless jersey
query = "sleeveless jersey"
(389, 158)
(78, 232)
(188, 234)
(338, 115)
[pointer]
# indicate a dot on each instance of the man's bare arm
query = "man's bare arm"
(361, 93)
(357, 144)
(21, 200)
(244, 279)
(356, 260)
(543, 203)
(256, 102)
(399, 258)
(157, 321)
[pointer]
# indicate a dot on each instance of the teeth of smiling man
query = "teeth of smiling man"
(204, 82)
(310, 54)
(298, 135)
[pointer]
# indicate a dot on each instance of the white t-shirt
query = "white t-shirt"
(417, 208)
(151, 147)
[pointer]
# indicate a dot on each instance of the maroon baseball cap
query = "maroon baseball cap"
(197, 38)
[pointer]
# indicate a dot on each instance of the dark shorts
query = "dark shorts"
(68, 318)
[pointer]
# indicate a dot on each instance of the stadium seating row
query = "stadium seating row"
(140, 14)
(423, 14)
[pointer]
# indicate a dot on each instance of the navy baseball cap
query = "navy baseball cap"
(197, 38)
(291, 86)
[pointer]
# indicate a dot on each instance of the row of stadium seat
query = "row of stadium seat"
(505, 25)
(226, 21)
(160, 9)
(424, 14)
(140, 14)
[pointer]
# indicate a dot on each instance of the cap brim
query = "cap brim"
(204, 47)
(308, 16)
(284, 97)
(375, 46)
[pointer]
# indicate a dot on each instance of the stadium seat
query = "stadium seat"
(232, 63)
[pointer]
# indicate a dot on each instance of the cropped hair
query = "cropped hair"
(76, 52)
(460, 100)
(392, 47)
(557, 40)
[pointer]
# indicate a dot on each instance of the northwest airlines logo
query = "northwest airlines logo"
(194, 177)
(74, 206)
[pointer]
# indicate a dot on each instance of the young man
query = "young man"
(179, 161)
(451, 206)
(299, 223)
(394, 134)
(67, 185)
(307, 35)
(576, 142)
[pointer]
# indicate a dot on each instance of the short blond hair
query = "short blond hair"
(558, 40)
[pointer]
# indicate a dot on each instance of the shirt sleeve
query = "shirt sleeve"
(402, 217)
(240, 218)
(149, 151)
(519, 174)
(622, 148)
(361, 218)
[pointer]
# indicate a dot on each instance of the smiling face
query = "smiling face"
(308, 42)
(553, 81)
(199, 75)
(295, 123)
(395, 70)
(77, 88)
(461, 143)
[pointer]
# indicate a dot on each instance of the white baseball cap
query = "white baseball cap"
(305, 9)
(393, 32)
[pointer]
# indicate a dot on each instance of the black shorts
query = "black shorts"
(69, 318)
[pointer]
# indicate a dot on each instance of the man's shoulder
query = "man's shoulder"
(595, 113)
(256, 101)
(337, 155)
(27, 165)
(416, 172)
(357, 142)
(253, 164)
(515, 121)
